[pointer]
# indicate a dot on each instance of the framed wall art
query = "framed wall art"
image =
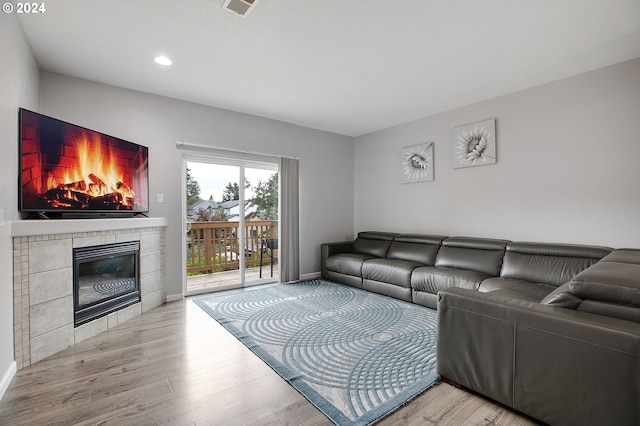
(474, 144)
(416, 163)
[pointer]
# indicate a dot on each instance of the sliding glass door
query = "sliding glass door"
(231, 217)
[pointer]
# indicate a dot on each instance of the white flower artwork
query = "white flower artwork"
(416, 163)
(474, 144)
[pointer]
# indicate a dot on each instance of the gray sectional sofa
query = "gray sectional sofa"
(551, 330)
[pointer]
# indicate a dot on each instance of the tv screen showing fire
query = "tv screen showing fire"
(68, 168)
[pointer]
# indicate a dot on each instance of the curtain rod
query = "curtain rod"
(186, 145)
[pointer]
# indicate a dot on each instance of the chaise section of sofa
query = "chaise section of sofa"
(461, 262)
(573, 358)
(558, 365)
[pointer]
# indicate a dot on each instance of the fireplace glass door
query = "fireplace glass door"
(106, 278)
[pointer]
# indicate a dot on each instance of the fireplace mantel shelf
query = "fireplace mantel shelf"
(26, 228)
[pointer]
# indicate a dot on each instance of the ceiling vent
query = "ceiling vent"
(239, 7)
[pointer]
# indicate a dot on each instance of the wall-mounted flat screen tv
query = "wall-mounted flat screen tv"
(70, 171)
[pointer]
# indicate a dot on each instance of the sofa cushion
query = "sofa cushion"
(432, 279)
(552, 264)
(347, 263)
(473, 254)
(375, 244)
(518, 289)
(415, 248)
(390, 271)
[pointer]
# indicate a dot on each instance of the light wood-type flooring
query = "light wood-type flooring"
(175, 365)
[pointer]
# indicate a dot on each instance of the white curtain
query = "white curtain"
(289, 244)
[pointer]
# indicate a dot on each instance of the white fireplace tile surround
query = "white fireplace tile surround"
(43, 279)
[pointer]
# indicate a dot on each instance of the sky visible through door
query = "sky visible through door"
(213, 178)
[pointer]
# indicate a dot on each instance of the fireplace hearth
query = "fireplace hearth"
(106, 278)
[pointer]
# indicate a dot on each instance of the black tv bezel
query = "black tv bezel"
(74, 213)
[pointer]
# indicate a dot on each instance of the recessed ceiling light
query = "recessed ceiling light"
(163, 60)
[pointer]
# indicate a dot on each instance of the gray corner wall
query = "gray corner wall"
(568, 167)
(18, 88)
(326, 159)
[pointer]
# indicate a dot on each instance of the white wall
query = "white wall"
(568, 167)
(326, 159)
(18, 88)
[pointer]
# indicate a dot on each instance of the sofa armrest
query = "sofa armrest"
(331, 249)
(551, 363)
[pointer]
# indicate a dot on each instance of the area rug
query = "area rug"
(355, 355)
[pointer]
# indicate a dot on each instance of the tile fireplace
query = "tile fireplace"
(44, 302)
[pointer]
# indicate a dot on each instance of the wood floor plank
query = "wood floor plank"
(175, 365)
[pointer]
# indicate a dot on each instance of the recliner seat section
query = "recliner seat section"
(530, 271)
(392, 275)
(461, 262)
(342, 262)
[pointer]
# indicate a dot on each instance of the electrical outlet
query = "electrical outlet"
(160, 198)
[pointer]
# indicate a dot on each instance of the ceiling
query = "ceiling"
(344, 66)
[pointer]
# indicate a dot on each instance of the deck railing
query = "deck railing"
(215, 246)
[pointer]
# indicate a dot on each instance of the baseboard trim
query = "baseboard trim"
(6, 379)
(174, 297)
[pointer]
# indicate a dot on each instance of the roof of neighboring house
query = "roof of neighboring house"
(201, 204)
(229, 204)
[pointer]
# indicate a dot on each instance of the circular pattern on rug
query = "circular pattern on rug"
(324, 351)
(388, 368)
(113, 286)
(284, 314)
